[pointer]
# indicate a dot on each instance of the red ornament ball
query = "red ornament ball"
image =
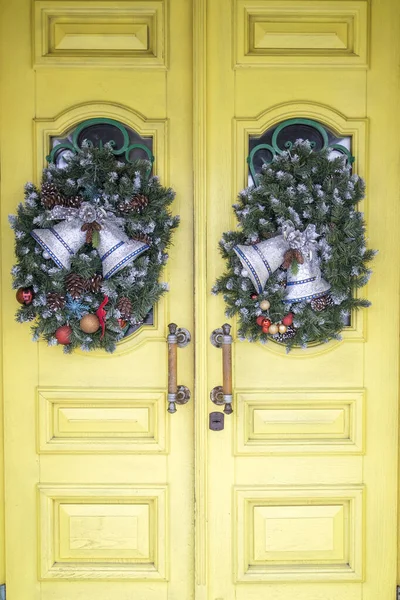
(254, 296)
(266, 325)
(63, 335)
(288, 320)
(25, 295)
(260, 320)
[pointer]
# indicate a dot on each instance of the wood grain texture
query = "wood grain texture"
(227, 368)
(172, 368)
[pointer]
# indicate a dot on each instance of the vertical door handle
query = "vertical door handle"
(177, 394)
(222, 394)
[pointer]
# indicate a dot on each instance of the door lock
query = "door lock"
(217, 421)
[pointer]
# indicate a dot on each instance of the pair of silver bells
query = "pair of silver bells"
(63, 241)
(261, 260)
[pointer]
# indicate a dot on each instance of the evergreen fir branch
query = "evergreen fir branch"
(95, 175)
(306, 187)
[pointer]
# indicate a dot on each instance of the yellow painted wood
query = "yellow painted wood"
(99, 477)
(200, 177)
(270, 33)
(307, 464)
(297, 421)
(130, 34)
(300, 488)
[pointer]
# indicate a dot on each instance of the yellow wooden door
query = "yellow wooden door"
(300, 486)
(99, 477)
(296, 496)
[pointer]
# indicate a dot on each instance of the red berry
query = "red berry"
(288, 320)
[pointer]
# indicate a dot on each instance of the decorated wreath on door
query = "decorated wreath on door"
(299, 255)
(91, 243)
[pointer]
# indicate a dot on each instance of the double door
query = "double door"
(106, 493)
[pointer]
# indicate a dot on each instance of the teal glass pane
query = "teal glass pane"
(282, 136)
(127, 144)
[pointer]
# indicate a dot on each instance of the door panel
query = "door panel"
(303, 476)
(95, 466)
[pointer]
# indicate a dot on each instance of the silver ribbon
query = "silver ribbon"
(304, 241)
(87, 213)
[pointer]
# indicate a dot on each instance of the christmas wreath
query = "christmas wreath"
(300, 253)
(90, 247)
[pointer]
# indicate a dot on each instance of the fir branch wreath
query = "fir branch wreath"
(80, 306)
(306, 200)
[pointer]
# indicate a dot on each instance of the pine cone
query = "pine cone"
(143, 237)
(319, 304)
(75, 285)
(73, 202)
(90, 228)
(125, 307)
(93, 284)
(290, 256)
(50, 196)
(55, 301)
(125, 207)
(139, 202)
(288, 335)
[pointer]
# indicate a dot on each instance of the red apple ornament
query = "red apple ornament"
(288, 320)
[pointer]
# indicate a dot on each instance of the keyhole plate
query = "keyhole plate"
(217, 421)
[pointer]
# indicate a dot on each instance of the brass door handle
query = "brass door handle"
(177, 394)
(222, 394)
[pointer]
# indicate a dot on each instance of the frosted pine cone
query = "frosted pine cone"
(93, 284)
(55, 301)
(125, 307)
(319, 304)
(75, 285)
(73, 202)
(136, 204)
(125, 206)
(288, 335)
(143, 237)
(50, 196)
(139, 202)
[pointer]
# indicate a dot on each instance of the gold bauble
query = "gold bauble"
(265, 304)
(282, 328)
(273, 329)
(89, 323)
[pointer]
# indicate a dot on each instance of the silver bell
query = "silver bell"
(263, 259)
(116, 250)
(307, 283)
(62, 241)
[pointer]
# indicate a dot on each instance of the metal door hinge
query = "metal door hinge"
(3, 591)
(398, 592)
